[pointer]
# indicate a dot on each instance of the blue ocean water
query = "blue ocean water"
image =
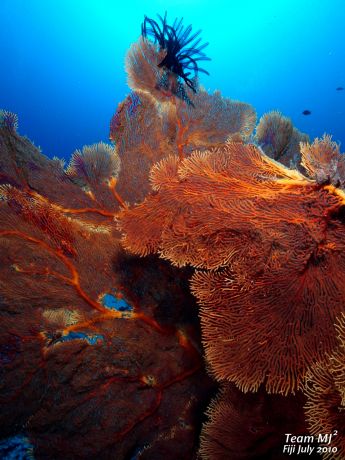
(62, 63)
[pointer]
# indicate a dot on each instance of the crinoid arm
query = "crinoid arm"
(183, 49)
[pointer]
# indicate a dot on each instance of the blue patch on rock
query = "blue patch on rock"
(114, 303)
(92, 339)
(16, 448)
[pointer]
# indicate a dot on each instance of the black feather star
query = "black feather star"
(183, 49)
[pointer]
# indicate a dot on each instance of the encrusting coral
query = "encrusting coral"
(113, 337)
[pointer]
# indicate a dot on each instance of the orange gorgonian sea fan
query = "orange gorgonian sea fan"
(146, 132)
(213, 119)
(76, 309)
(225, 208)
(142, 138)
(142, 67)
(337, 360)
(325, 390)
(250, 426)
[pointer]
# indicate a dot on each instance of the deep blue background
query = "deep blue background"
(62, 72)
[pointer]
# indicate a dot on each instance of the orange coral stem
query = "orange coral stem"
(89, 323)
(102, 212)
(151, 322)
(159, 395)
(182, 376)
(104, 386)
(180, 143)
(116, 314)
(26, 382)
(74, 281)
(112, 185)
(143, 417)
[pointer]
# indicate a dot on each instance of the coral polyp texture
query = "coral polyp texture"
(221, 209)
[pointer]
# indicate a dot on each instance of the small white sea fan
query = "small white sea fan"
(8, 120)
(323, 161)
(94, 163)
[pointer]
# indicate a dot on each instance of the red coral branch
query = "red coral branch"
(74, 281)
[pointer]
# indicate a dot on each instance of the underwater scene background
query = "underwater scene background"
(63, 61)
(172, 223)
